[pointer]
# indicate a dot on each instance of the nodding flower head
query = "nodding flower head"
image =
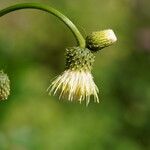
(76, 82)
(100, 39)
(4, 86)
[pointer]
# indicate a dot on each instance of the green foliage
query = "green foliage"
(32, 46)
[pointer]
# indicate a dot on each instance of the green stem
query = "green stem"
(72, 27)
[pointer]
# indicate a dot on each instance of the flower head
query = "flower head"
(4, 86)
(76, 82)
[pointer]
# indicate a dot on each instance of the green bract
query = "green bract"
(79, 59)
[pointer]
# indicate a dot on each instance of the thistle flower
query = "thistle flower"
(4, 86)
(76, 82)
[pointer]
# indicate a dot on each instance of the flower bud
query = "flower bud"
(4, 86)
(100, 39)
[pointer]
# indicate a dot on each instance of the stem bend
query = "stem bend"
(63, 18)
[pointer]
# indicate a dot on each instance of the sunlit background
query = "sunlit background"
(32, 46)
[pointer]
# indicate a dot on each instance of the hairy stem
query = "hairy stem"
(46, 8)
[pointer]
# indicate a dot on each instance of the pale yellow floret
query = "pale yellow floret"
(75, 85)
(110, 35)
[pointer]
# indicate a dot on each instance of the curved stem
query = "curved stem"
(72, 27)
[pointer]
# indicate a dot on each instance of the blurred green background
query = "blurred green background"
(32, 46)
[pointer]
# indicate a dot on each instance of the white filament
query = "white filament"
(76, 85)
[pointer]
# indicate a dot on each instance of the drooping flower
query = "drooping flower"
(76, 82)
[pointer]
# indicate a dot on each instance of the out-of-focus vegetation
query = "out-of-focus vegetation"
(32, 45)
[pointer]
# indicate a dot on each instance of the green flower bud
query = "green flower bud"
(100, 39)
(4, 86)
